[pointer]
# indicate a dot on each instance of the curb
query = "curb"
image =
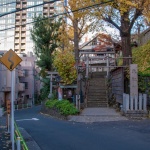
(32, 145)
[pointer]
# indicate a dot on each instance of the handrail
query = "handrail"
(18, 134)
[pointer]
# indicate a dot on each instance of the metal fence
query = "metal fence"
(21, 144)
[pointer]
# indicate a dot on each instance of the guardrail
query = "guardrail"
(21, 144)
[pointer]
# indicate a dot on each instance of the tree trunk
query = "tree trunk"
(76, 49)
(126, 39)
(76, 41)
(126, 49)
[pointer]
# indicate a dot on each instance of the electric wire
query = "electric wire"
(61, 14)
(7, 3)
(17, 10)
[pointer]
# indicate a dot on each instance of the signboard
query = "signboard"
(8, 106)
(133, 80)
(10, 59)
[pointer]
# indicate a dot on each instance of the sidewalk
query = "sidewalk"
(5, 143)
(90, 115)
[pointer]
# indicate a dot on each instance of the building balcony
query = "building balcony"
(18, 6)
(16, 50)
(21, 73)
(21, 87)
(24, 5)
(17, 35)
(24, 18)
(23, 41)
(18, 17)
(45, 10)
(23, 38)
(45, 6)
(23, 47)
(24, 11)
(51, 10)
(6, 89)
(23, 29)
(18, 23)
(17, 41)
(16, 46)
(23, 22)
(18, 13)
(52, 5)
(23, 35)
(22, 50)
(17, 28)
(16, 31)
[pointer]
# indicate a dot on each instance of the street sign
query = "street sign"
(10, 59)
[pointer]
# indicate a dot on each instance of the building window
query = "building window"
(26, 73)
(26, 85)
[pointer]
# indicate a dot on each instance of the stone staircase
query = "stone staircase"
(97, 91)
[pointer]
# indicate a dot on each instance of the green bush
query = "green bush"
(64, 106)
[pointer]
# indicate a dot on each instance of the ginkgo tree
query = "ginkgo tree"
(65, 64)
(73, 28)
(77, 24)
(122, 14)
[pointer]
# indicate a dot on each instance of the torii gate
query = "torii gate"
(104, 59)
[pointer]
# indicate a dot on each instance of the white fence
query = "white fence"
(134, 103)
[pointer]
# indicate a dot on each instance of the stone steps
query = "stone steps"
(97, 90)
(96, 104)
(97, 97)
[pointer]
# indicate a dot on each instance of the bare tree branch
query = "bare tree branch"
(138, 13)
(109, 20)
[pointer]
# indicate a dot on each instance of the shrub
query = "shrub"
(63, 106)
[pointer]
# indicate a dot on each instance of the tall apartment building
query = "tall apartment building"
(18, 37)
(8, 21)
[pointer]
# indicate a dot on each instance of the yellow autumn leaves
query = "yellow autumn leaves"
(65, 64)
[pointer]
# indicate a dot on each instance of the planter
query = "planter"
(1, 112)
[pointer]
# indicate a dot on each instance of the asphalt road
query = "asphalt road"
(54, 134)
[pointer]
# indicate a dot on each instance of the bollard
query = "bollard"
(18, 143)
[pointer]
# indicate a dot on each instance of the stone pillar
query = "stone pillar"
(133, 80)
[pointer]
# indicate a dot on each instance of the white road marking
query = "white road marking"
(35, 119)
